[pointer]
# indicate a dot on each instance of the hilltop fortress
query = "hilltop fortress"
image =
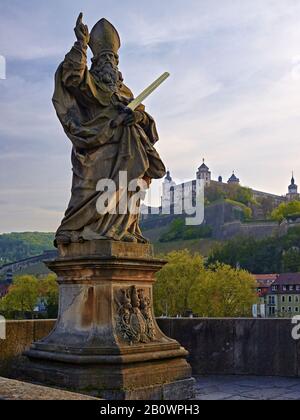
(205, 175)
(225, 217)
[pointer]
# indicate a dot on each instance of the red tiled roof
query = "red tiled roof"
(265, 280)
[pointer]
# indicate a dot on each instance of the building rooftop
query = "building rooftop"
(265, 280)
(203, 167)
(233, 179)
(168, 177)
(287, 279)
(293, 183)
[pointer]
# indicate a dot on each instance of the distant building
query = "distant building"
(204, 174)
(264, 283)
(233, 180)
(275, 199)
(283, 298)
(173, 194)
(293, 194)
(168, 191)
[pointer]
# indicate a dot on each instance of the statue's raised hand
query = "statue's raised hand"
(82, 31)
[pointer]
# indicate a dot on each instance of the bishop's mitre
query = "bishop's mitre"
(104, 37)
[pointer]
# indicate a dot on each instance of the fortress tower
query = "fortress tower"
(168, 191)
(204, 174)
(293, 194)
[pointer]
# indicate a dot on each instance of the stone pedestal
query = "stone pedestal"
(106, 341)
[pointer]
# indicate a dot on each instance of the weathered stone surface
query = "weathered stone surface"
(279, 357)
(235, 388)
(19, 334)
(118, 145)
(210, 342)
(237, 346)
(106, 376)
(19, 337)
(106, 249)
(16, 390)
(203, 338)
(175, 391)
(106, 340)
(42, 328)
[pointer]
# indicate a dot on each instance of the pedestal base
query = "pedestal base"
(106, 341)
(151, 381)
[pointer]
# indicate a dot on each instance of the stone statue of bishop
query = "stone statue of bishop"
(107, 137)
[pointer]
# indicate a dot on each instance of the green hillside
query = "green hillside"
(38, 269)
(277, 254)
(18, 246)
(202, 246)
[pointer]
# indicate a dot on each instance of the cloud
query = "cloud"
(232, 98)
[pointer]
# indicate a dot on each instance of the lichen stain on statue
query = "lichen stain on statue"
(107, 136)
(88, 310)
(134, 320)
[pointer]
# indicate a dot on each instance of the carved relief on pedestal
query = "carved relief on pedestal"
(134, 321)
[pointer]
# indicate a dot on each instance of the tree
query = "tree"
(267, 205)
(48, 292)
(179, 231)
(291, 260)
(271, 255)
(240, 194)
(224, 292)
(172, 291)
(22, 296)
(217, 291)
(255, 256)
(245, 211)
(286, 210)
(215, 192)
(18, 246)
(26, 292)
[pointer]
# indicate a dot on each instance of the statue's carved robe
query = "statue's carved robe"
(86, 109)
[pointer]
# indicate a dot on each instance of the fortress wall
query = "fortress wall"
(254, 230)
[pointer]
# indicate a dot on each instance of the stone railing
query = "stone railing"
(217, 346)
(263, 347)
(19, 336)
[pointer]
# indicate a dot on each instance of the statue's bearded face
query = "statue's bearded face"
(105, 69)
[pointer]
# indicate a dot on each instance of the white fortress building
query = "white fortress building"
(174, 195)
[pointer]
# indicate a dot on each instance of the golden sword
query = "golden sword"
(147, 92)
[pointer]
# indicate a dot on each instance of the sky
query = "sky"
(233, 97)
